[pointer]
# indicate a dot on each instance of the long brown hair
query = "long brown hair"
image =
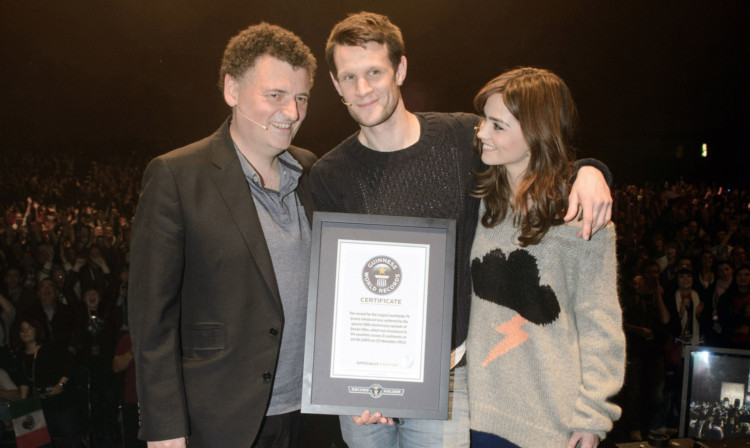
(544, 107)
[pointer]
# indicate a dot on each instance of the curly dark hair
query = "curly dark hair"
(544, 107)
(261, 39)
(362, 27)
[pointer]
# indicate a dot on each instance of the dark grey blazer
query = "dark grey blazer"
(204, 307)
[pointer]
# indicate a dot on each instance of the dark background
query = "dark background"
(653, 79)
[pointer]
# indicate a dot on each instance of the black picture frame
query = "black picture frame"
(426, 397)
(706, 370)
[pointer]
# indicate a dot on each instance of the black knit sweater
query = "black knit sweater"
(429, 179)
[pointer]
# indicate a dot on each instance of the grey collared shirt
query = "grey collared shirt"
(287, 234)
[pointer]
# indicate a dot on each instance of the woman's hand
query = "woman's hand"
(586, 439)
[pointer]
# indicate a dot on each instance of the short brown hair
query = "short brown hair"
(362, 27)
(543, 105)
(258, 40)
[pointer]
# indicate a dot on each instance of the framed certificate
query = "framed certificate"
(379, 316)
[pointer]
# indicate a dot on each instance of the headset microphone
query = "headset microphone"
(265, 128)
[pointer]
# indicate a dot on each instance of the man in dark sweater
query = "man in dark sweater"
(406, 164)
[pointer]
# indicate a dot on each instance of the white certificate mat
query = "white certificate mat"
(380, 308)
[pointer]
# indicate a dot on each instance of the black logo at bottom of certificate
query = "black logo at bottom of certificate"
(376, 391)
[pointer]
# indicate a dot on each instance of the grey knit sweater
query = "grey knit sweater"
(545, 348)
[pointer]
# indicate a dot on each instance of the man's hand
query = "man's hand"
(174, 443)
(587, 440)
(591, 193)
(374, 419)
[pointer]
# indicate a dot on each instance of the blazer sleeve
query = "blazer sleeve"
(156, 271)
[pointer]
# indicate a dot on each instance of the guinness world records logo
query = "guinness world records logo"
(381, 275)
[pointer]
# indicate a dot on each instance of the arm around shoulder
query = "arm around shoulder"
(591, 192)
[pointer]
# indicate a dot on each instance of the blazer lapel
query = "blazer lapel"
(231, 183)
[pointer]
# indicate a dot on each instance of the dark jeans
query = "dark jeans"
(485, 440)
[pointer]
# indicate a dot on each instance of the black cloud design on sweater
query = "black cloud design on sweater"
(514, 283)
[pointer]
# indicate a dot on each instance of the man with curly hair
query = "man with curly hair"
(216, 278)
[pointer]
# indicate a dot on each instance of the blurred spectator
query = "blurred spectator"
(733, 310)
(123, 362)
(94, 348)
(685, 310)
(7, 316)
(644, 319)
(65, 286)
(120, 314)
(722, 248)
(738, 257)
(46, 372)
(8, 392)
(58, 319)
(705, 275)
(724, 274)
(13, 290)
(669, 269)
(29, 270)
(93, 271)
(656, 250)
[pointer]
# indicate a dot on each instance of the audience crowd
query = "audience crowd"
(718, 420)
(64, 234)
(684, 280)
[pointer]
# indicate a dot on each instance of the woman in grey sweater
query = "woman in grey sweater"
(546, 348)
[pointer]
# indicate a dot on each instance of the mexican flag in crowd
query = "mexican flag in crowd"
(28, 423)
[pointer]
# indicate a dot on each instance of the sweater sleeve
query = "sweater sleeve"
(600, 335)
(599, 165)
